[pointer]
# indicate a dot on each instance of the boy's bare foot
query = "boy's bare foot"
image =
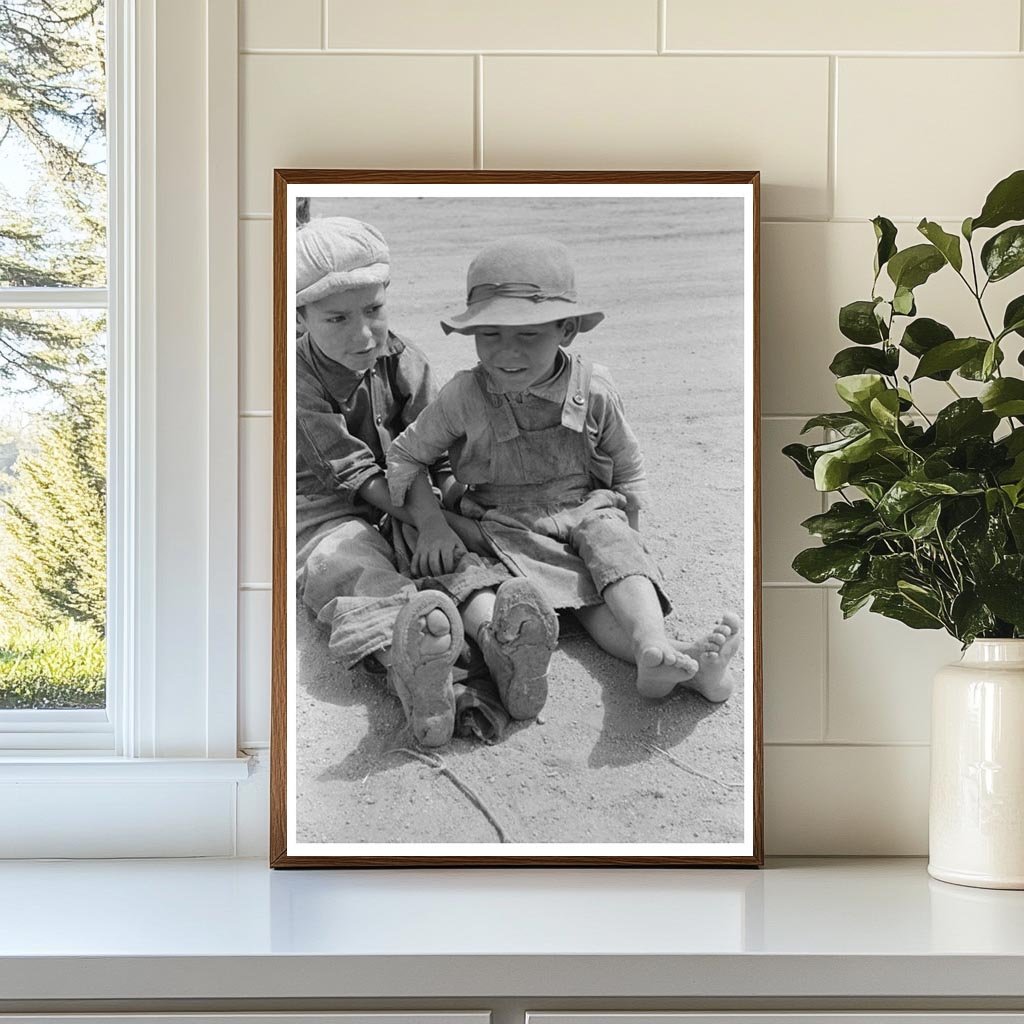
(426, 641)
(713, 655)
(661, 667)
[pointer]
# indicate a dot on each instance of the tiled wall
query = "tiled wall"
(909, 109)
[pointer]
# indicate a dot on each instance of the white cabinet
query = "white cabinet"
(775, 1018)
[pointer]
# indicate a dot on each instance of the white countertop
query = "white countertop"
(233, 928)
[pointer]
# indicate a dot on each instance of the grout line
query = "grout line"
(340, 51)
(323, 25)
(800, 584)
(823, 682)
(663, 26)
(259, 51)
(855, 744)
(833, 134)
(478, 111)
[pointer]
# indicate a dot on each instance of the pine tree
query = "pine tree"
(54, 520)
(53, 120)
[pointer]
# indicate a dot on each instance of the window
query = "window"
(155, 772)
(53, 371)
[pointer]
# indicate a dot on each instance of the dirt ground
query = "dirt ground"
(602, 764)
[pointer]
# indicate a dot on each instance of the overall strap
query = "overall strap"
(577, 394)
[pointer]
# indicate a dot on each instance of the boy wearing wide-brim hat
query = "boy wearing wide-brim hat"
(552, 467)
(358, 385)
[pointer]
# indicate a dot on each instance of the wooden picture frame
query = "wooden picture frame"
(604, 777)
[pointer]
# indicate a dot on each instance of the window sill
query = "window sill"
(77, 767)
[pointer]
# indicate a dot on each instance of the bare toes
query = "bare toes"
(436, 622)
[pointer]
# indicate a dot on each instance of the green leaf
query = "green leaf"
(885, 409)
(950, 355)
(1003, 254)
(912, 267)
(799, 455)
(833, 421)
(974, 368)
(1004, 397)
(843, 521)
(971, 617)
(1005, 596)
(903, 302)
(857, 321)
(966, 417)
(923, 335)
(897, 607)
(966, 229)
(1005, 202)
(849, 361)
(854, 594)
(887, 570)
(833, 561)
(885, 236)
(1013, 317)
(858, 389)
(831, 471)
(925, 518)
(947, 244)
(990, 361)
(907, 494)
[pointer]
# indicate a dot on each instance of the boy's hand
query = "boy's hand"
(438, 549)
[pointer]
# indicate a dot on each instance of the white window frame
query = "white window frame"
(157, 773)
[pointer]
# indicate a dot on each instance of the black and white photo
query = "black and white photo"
(516, 559)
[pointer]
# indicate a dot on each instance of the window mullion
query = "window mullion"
(53, 298)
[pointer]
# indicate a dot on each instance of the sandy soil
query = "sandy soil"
(602, 764)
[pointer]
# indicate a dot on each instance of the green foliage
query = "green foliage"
(53, 522)
(63, 667)
(927, 526)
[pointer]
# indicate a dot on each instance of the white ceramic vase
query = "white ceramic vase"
(976, 814)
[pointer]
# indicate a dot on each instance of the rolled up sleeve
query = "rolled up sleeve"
(340, 462)
(422, 444)
(617, 441)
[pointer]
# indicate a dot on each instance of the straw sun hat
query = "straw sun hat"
(521, 280)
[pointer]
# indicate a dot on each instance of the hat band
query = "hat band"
(486, 292)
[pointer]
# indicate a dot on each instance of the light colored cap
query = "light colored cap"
(521, 280)
(335, 253)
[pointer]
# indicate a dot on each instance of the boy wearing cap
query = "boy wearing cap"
(553, 468)
(357, 385)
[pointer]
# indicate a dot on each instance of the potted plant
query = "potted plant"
(927, 521)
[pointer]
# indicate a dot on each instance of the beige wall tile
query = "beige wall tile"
(871, 25)
(685, 113)
(962, 129)
(254, 610)
(471, 25)
(357, 111)
(255, 319)
(273, 24)
(255, 512)
(794, 663)
(808, 271)
(846, 800)
(880, 676)
(787, 498)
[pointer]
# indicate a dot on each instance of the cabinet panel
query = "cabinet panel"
(775, 1018)
(451, 1017)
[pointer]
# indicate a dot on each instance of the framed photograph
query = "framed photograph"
(516, 608)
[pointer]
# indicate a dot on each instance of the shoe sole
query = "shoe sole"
(423, 682)
(524, 633)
